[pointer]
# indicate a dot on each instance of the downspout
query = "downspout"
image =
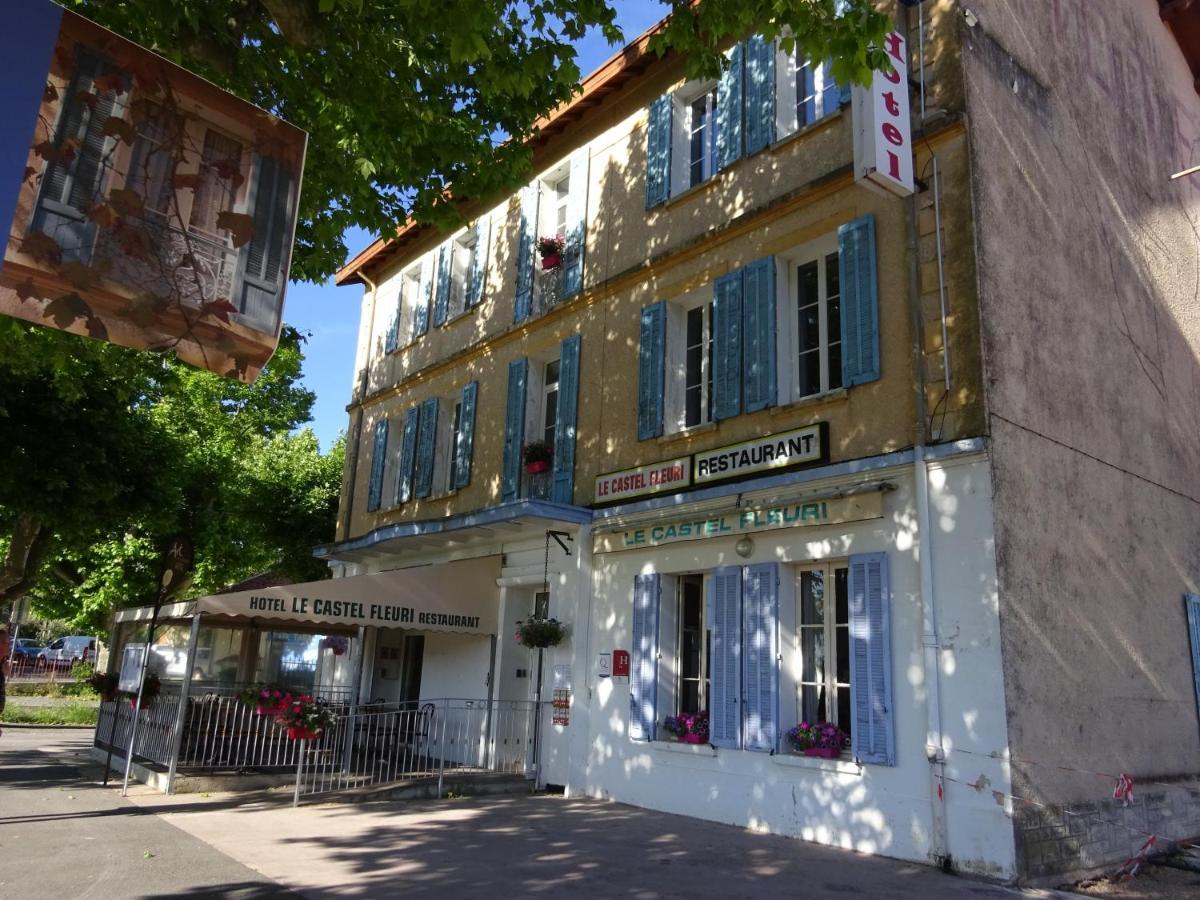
(934, 745)
(356, 425)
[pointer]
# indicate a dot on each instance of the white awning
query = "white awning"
(460, 597)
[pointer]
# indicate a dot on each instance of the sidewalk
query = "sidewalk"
(63, 835)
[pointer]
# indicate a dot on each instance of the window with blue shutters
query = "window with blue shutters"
(514, 429)
(725, 669)
(563, 489)
(525, 256)
(760, 93)
(730, 91)
(651, 371)
(758, 334)
(575, 224)
(464, 437)
(378, 465)
(873, 736)
(643, 663)
(479, 247)
(423, 297)
(1191, 604)
(659, 127)
(441, 292)
(823, 631)
(727, 346)
(858, 286)
(760, 653)
(408, 455)
(426, 448)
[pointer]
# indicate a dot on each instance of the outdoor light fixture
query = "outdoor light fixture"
(744, 547)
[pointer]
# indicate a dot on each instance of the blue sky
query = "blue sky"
(329, 314)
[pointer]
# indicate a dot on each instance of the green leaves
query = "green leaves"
(402, 99)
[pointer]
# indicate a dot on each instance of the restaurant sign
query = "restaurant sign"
(667, 475)
(776, 451)
(801, 513)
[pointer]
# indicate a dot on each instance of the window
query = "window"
(560, 192)
(702, 137)
(220, 158)
(448, 453)
(549, 402)
(694, 647)
(818, 326)
(824, 622)
(817, 95)
(697, 390)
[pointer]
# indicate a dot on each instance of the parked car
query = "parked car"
(25, 651)
(66, 651)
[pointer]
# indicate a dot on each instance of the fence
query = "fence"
(156, 728)
(375, 745)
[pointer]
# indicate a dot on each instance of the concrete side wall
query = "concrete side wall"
(1088, 276)
(874, 809)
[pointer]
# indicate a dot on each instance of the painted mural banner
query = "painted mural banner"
(142, 204)
(802, 513)
(765, 454)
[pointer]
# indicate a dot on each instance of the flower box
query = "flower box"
(551, 260)
(537, 467)
(823, 752)
(296, 733)
(693, 739)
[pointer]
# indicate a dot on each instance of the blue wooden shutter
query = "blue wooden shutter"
(426, 446)
(727, 345)
(483, 232)
(514, 428)
(408, 456)
(1192, 604)
(860, 301)
(758, 315)
(658, 151)
(378, 461)
(652, 370)
(760, 645)
(872, 734)
(441, 297)
(563, 490)
(525, 252)
(725, 659)
(729, 111)
(465, 440)
(572, 274)
(643, 663)
(760, 94)
(421, 302)
(392, 341)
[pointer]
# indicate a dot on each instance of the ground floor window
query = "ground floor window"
(824, 621)
(693, 646)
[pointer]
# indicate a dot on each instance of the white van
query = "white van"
(66, 651)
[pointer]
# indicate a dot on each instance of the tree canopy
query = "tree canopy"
(404, 100)
(112, 450)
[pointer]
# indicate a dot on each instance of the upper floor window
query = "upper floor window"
(697, 390)
(817, 95)
(702, 137)
(552, 206)
(549, 411)
(818, 322)
(560, 197)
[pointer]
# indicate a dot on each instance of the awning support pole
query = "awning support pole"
(181, 715)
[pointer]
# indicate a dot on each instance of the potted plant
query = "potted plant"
(822, 739)
(551, 250)
(537, 456)
(150, 689)
(336, 643)
(104, 684)
(267, 700)
(688, 728)
(538, 632)
(304, 717)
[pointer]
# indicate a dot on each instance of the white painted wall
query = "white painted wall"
(874, 809)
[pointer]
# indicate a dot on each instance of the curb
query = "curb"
(36, 726)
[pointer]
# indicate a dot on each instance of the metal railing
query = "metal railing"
(376, 744)
(156, 728)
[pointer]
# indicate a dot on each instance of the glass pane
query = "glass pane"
(842, 657)
(845, 718)
(812, 703)
(695, 326)
(835, 366)
(812, 650)
(689, 662)
(689, 702)
(810, 327)
(842, 596)
(552, 373)
(810, 373)
(812, 598)
(693, 403)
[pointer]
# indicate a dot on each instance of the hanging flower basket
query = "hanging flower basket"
(337, 644)
(537, 456)
(104, 684)
(551, 251)
(304, 717)
(540, 632)
(267, 700)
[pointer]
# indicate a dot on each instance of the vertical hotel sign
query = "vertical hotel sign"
(883, 157)
(140, 204)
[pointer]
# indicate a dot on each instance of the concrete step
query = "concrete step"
(454, 784)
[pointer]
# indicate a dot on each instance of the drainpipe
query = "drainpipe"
(356, 425)
(934, 747)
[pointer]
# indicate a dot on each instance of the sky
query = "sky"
(329, 314)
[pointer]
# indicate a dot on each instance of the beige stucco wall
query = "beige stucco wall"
(800, 189)
(1088, 278)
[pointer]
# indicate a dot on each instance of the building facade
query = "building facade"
(811, 457)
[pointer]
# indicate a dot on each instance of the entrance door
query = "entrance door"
(410, 668)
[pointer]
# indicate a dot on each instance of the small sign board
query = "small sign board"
(131, 668)
(765, 454)
(640, 481)
(883, 157)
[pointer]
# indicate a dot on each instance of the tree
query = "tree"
(118, 449)
(404, 100)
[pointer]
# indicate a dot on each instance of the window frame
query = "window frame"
(789, 387)
(828, 682)
(682, 101)
(675, 369)
(704, 663)
(446, 443)
(787, 94)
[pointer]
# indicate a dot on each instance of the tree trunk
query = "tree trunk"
(26, 547)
